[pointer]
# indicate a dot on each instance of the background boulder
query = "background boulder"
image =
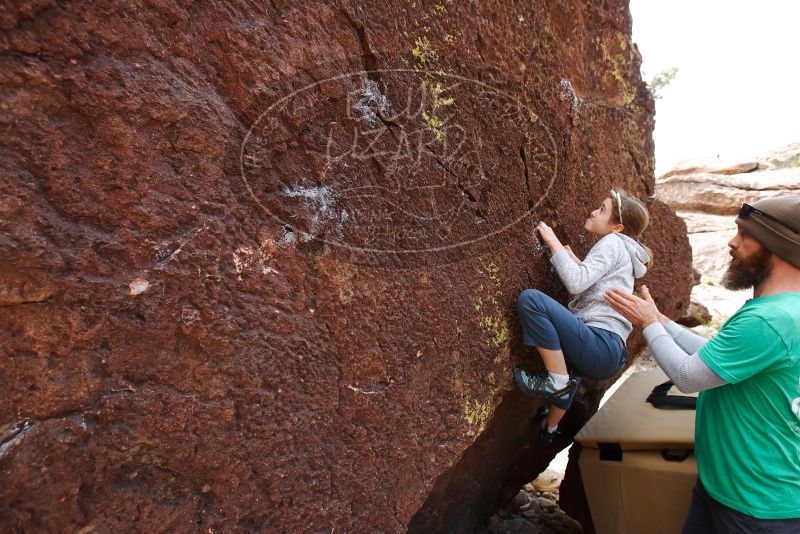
(707, 196)
(721, 188)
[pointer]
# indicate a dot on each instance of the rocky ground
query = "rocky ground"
(536, 507)
(535, 510)
(706, 196)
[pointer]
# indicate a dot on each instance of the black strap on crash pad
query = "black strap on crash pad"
(610, 452)
(676, 455)
(659, 398)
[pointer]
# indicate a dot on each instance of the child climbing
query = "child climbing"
(588, 338)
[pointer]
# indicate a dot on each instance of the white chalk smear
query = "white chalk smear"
(371, 98)
(287, 238)
(568, 93)
(138, 286)
(320, 195)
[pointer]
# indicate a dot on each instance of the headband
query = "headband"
(616, 196)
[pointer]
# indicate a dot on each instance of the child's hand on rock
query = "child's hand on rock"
(549, 237)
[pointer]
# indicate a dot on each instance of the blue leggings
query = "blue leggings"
(589, 351)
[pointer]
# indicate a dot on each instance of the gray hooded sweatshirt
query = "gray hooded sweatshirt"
(614, 261)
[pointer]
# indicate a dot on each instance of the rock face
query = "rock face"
(721, 189)
(248, 286)
(724, 169)
(709, 235)
(707, 196)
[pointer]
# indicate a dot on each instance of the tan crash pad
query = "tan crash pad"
(644, 488)
(629, 420)
(641, 494)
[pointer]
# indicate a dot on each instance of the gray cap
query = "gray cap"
(773, 236)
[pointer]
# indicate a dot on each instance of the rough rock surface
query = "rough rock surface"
(787, 156)
(709, 235)
(237, 297)
(707, 195)
(713, 168)
(723, 194)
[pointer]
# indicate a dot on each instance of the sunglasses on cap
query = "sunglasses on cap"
(747, 210)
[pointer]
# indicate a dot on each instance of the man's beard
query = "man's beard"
(746, 274)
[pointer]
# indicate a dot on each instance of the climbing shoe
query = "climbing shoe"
(542, 385)
(546, 436)
(541, 414)
(566, 401)
(540, 421)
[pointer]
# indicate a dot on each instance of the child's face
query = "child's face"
(599, 222)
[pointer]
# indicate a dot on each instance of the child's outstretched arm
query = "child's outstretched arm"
(572, 254)
(549, 237)
(578, 277)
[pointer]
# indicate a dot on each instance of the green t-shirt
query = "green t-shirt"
(747, 433)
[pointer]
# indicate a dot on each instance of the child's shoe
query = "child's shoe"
(540, 420)
(566, 401)
(542, 385)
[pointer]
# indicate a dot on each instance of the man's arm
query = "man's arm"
(685, 338)
(687, 371)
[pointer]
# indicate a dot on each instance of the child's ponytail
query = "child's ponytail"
(635, 218)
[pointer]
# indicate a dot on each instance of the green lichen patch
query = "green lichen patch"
(496, 330)
(424, 52)
(434, 124)
(491, 271)
(620, 65)
(436, 89)
(476, 414)
(493, 322)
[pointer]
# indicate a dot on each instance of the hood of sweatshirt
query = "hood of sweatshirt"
(639, 257)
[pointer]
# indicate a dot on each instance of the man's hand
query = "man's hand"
(640, 312)
(549, 237)
(645, 292)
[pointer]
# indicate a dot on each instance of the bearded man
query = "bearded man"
(747, 428)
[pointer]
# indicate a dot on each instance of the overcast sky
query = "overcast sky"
(737, 91)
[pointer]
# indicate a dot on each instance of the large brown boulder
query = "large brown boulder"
(248, 286)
